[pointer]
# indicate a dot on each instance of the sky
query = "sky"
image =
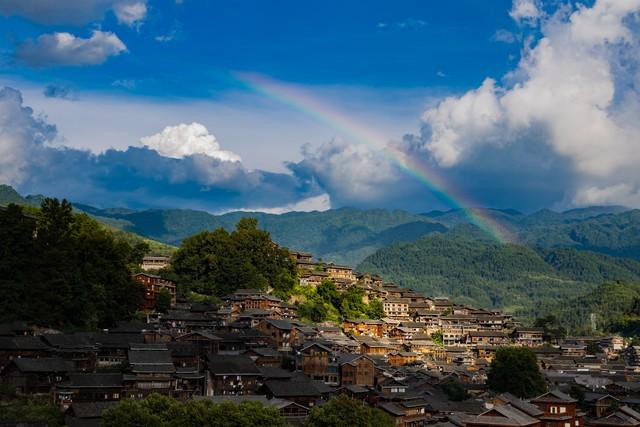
(288, 105)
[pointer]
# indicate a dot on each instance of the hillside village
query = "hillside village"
(424, 363)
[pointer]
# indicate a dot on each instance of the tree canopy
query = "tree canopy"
(61, 269)
(342, 411)
(515, 370)
(218, 262)
(161, 411)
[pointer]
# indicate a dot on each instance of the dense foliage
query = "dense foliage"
(517, 278)
(61, 269)
(343, 411)
(218, 262)
(27, 408)
(161, 411)
(455, 391)
(515, 370)
(611, 308)
(327, 303)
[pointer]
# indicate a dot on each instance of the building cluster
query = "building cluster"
(253, 347)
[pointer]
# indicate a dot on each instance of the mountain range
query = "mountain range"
(558, 256)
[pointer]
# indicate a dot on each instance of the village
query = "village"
(254, 347)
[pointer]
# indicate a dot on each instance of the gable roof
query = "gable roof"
(554, 396)
(504, 415)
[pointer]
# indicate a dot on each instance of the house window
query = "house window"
(553, 409)
(116, 395)
(567, 424)
(563, 409)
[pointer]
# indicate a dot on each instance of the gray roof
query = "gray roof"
(149, 357)
(43, 365)
(292, 388)
(93, 380)
(232, 365)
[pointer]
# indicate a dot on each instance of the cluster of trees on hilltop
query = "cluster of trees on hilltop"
(61, 269)
(218, 262)
(615, 308)
(161, 411)
(327, 303)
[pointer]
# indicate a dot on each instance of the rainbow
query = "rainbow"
(358, 132)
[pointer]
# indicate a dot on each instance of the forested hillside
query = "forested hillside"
(518, 278)
(341, 235)
(610, 307)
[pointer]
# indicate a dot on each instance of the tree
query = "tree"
(61, 269)
(342, 411)
(218, 262)
(328, 292)
(553, 330)
(515, 370)
(163, 301)
(33, 409)
(455, 391)
(375, 310)
(161, 411)
(437, 338)
(314, 311)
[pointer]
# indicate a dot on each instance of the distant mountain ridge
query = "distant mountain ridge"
(349, 235)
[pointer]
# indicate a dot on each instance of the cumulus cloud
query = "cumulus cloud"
(77, 12)
(576, 90)
(66, 49)
(354, 175)
(186, 140)
(20, 132)
(32, 160)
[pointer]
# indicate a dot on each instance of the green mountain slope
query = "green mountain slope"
(343, 235)
(517, 278)
(9, 195)
(118, 227)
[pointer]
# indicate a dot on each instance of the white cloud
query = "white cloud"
(77, 12)
(21, 134)
(577, 87)
(526, 11)
(130, 12)
(320, 203)
(623, 194)
(186, 140)
(351, 173)
(67, 49)
(457, 120)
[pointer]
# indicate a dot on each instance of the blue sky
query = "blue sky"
(377, 44)
(490, 96)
